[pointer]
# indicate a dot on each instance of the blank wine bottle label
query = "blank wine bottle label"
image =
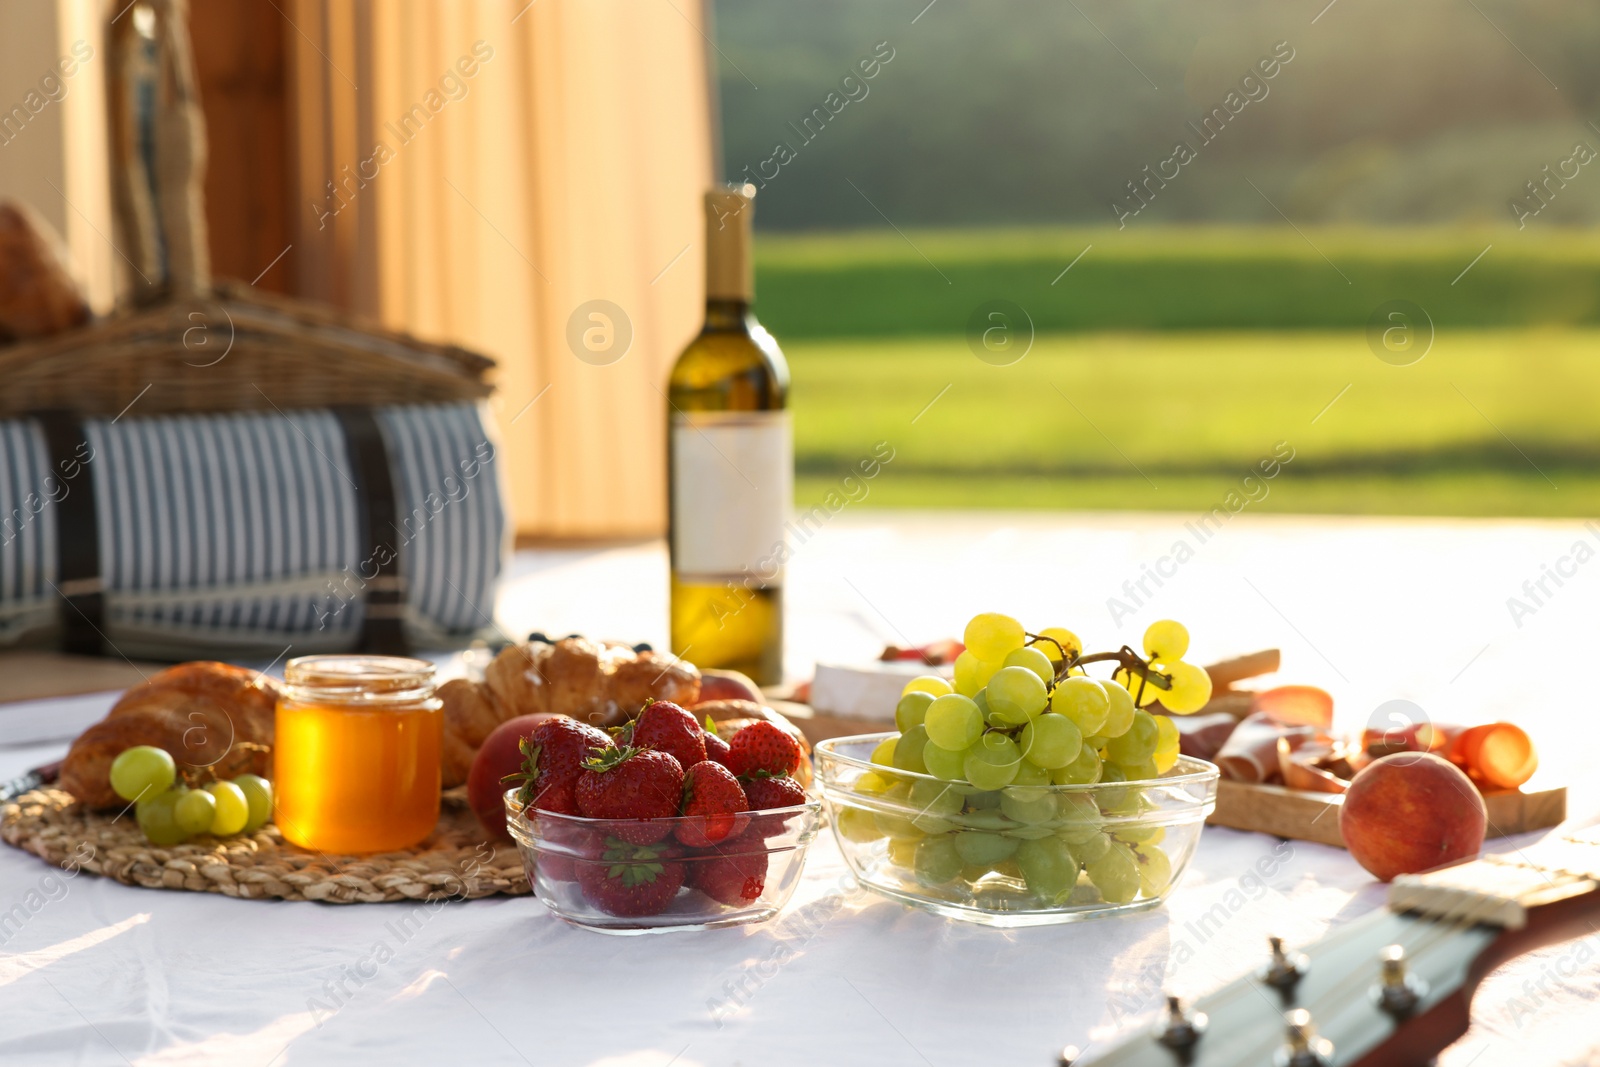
(732, 484)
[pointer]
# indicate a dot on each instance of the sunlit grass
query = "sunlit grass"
(887, 284)
(1488, 423)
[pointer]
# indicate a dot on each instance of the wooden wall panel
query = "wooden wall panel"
(240, 65)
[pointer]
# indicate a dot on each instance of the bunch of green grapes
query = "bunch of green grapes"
(1022, 711)
(170, 813)
(1022, 714)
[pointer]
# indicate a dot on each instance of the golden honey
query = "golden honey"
(357, 753)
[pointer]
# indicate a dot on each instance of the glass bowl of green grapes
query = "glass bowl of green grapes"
(1025, 792)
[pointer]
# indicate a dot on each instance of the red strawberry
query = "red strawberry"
(629, 879)
(556, 868)
(763, 746)
(716, 749)
(766, 792)
(563, 844)
(666, 727)
(710, 790)
(552, 762)
(734, 874)
(633, 784)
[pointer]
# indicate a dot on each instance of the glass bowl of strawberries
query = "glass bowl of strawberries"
(648, 831)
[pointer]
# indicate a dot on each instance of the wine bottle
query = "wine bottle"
(730, 465)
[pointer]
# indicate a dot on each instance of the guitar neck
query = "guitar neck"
(1443, 932)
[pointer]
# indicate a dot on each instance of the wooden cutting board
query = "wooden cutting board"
(1302, 816)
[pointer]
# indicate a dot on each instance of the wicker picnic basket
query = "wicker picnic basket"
(215, 471)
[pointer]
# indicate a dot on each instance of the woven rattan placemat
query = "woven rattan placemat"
(455, 862)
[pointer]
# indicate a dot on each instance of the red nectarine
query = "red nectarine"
(728, 685)
(1411, 812)
(498, 757)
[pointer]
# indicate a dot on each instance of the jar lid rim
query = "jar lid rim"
(358, 677)
(358, 665)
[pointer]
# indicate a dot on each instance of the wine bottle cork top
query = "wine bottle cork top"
(729, 269)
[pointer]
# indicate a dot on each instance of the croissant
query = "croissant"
(205, 714)
(650, 677)
(602, 684)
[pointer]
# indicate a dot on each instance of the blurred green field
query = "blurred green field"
(1490, 422)
(885, 284)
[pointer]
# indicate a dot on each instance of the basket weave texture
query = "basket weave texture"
(235, 350)
(455, 862)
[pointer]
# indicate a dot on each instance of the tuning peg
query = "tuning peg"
(1180, 1029)
(1399, 992)
(1302, 1047)
(1068, 1057)
(1285, 970)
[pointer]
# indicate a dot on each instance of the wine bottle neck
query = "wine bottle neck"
(727, 314)
(729, 273)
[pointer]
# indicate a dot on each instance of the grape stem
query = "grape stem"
(1125, 657)
(1034, 639)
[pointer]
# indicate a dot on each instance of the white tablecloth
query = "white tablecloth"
(93, 972)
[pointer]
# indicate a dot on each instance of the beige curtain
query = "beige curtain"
(495, 164)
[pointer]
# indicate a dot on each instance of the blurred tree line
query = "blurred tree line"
(1041, 111)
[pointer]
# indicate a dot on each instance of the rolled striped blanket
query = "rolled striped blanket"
(181, 536)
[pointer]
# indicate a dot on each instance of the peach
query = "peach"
(1411, 812)
(498, 757)
(728, 685)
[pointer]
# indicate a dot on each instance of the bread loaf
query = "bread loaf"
(38, 295)
(206, 715)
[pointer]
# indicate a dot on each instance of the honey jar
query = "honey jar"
(357, 753)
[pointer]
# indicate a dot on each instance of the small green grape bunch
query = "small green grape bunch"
(170, 812)
(1022, 710)
(1183, 688)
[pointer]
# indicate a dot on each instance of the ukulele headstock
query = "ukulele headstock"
(1389, 989)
